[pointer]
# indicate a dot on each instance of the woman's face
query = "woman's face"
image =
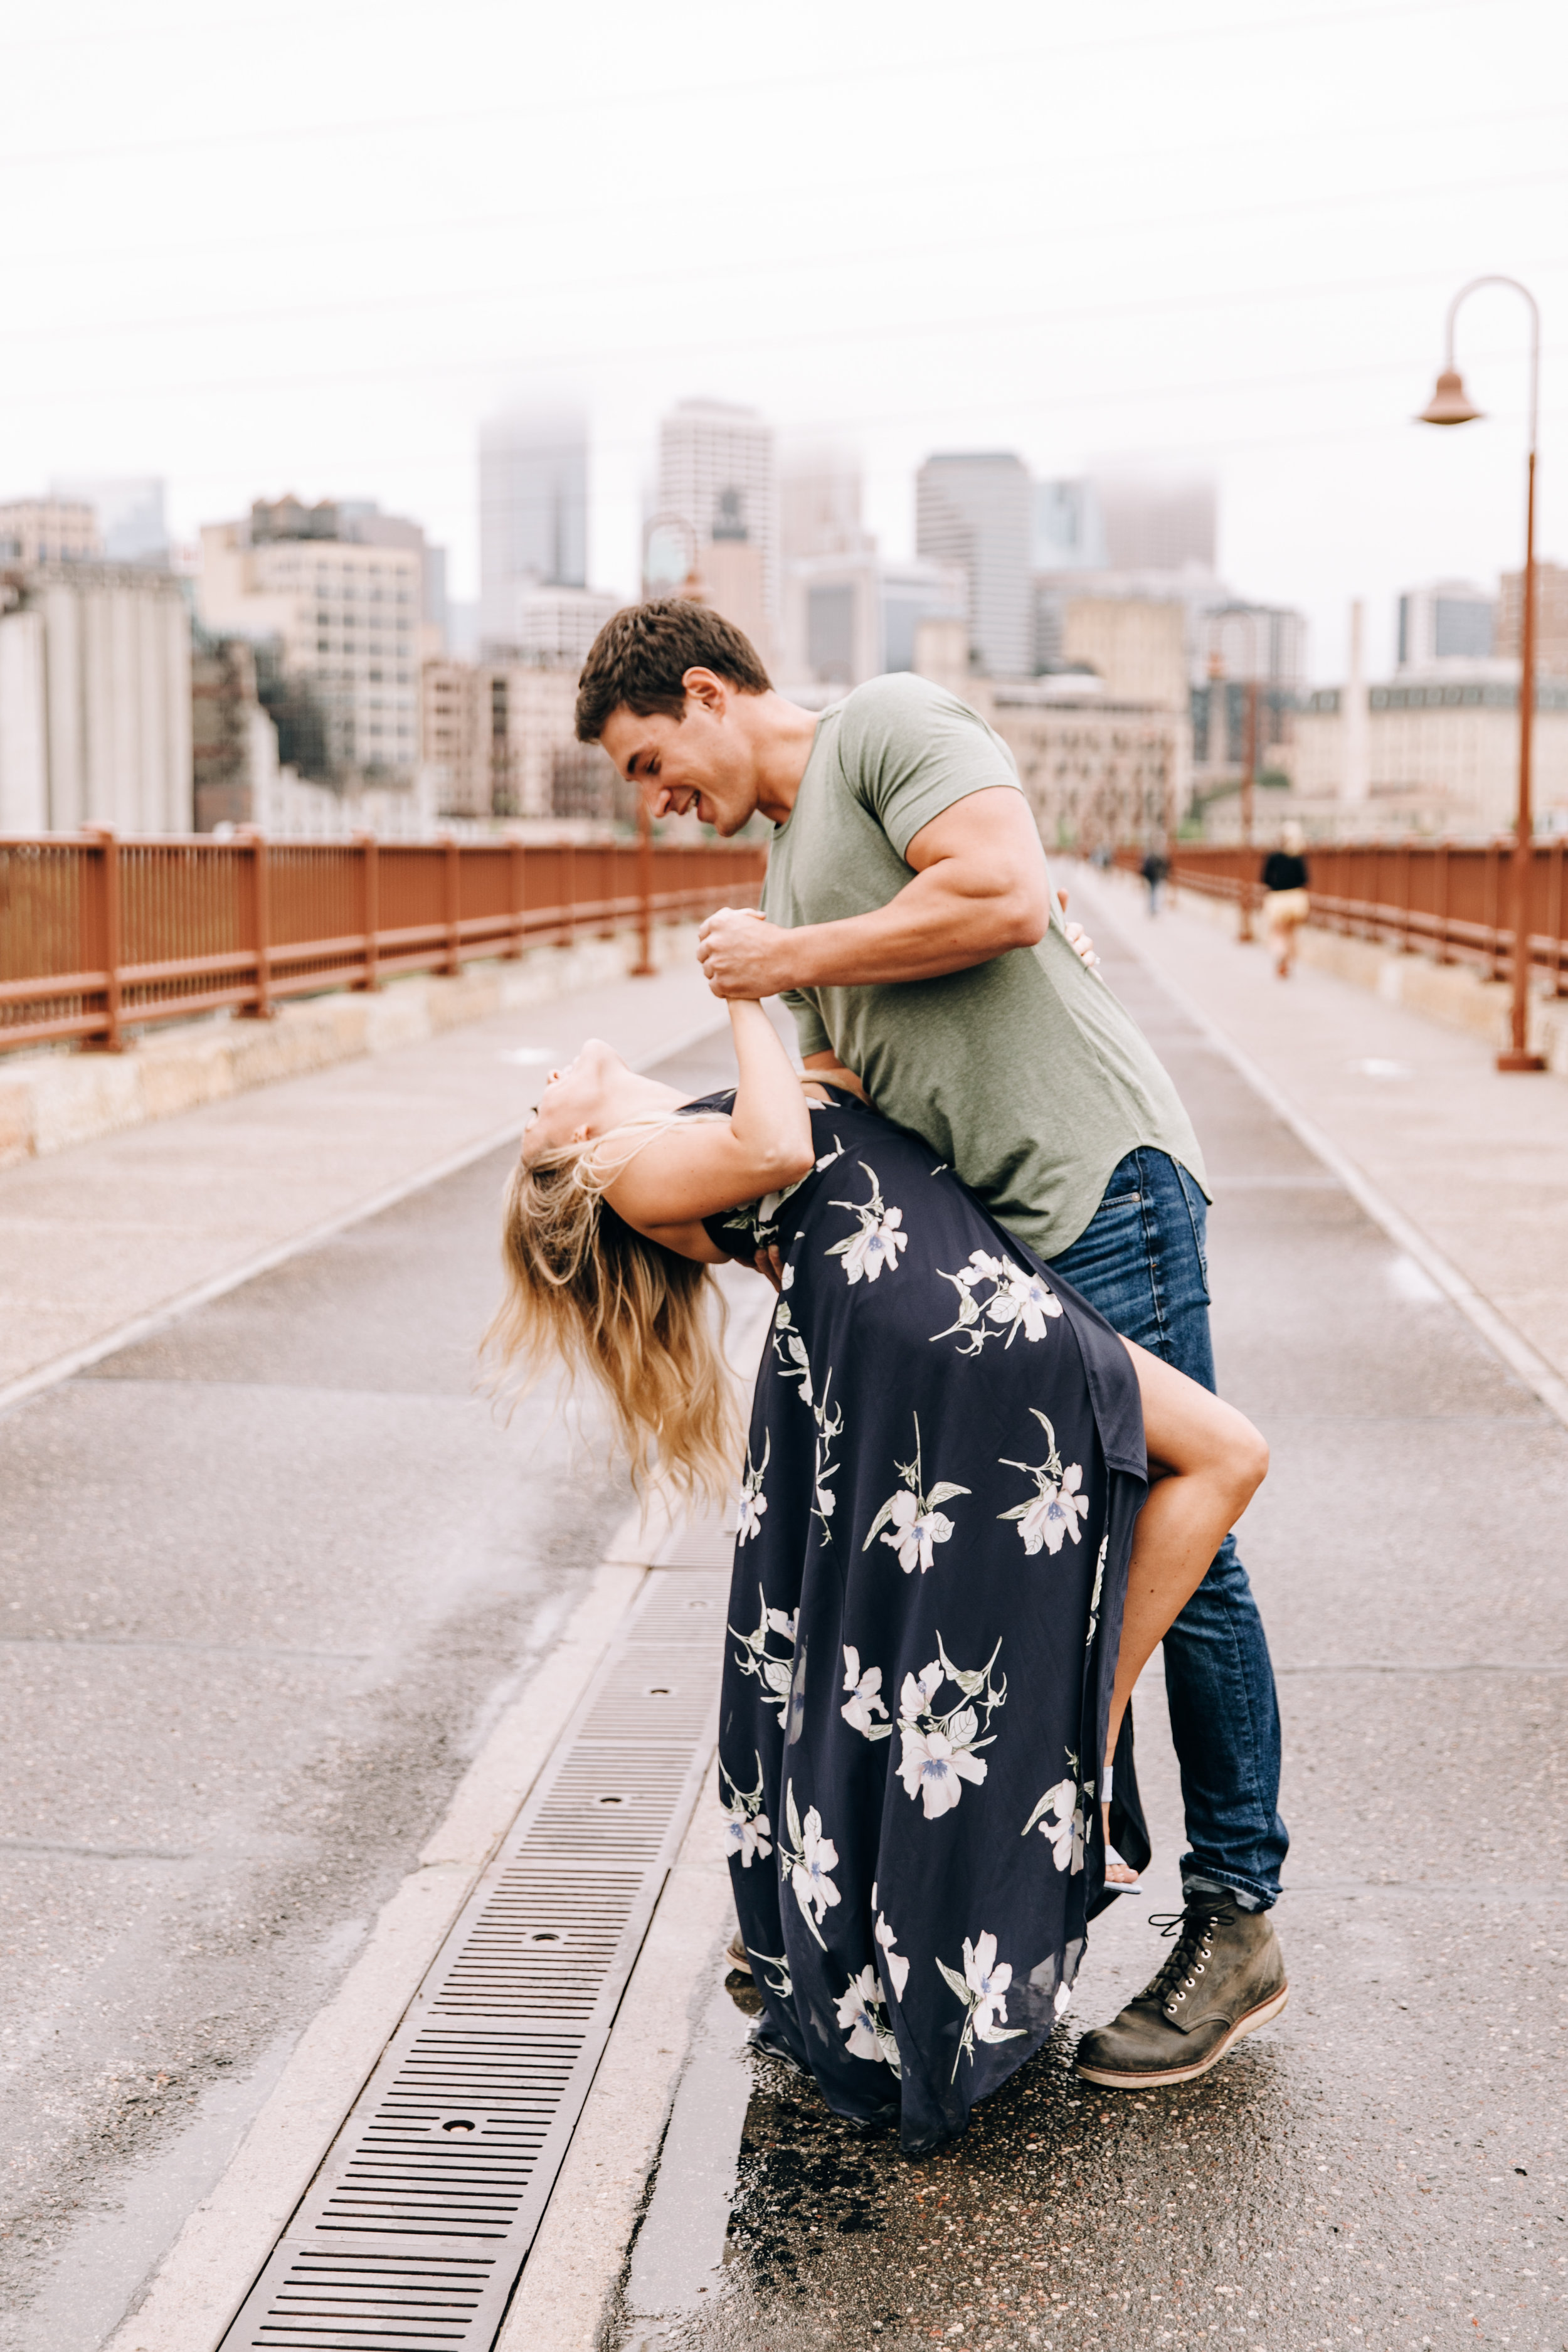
(572, 1106)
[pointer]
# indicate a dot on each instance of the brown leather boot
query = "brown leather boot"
(1225, 1977)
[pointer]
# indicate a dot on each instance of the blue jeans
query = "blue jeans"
(1141, 1262)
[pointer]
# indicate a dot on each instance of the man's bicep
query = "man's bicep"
(994, 824)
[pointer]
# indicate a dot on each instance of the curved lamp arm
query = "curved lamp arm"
(1474, 286)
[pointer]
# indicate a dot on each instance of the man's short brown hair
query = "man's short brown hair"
(637, 661)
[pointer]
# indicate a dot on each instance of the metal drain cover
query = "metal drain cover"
(411, 2235)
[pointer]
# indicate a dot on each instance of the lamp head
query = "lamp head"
(1450, 403)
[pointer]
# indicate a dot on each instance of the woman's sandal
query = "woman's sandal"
(1121, 1878)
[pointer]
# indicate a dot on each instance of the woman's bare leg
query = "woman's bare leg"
(1206, 1462)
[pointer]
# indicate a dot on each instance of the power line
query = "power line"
(793, 339)
(389, 305)
(812, 79)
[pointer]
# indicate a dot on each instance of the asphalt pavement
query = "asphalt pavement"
(1385, 2166)
(266, 1582)
(267, 1578)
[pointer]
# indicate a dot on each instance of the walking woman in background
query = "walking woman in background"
(1287, 907)
(947, 1574)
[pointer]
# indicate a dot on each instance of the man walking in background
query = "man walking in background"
(907, 921)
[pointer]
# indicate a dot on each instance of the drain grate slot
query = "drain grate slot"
(415, 2230)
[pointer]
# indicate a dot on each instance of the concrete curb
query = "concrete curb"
(209, 2269)
(51, 1101)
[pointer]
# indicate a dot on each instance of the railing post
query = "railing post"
(260, 925)
(1559, 848)
(1402, 870)
(370, 906)
(111, 1042)
(1441, 901)
(516, 873)
(1494, 968)
(452, 878)
(569, 893)
(643, 967)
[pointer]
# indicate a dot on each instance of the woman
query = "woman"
(1287, 905)
(947, 1577)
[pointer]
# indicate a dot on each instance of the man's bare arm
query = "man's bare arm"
(980, 889)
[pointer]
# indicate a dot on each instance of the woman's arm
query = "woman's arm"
(696, 1168)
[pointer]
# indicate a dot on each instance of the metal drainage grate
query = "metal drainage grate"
(412, 2233)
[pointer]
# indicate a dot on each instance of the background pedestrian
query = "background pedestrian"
(1287, 907)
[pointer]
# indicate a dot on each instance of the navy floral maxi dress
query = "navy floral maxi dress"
(944, 1464)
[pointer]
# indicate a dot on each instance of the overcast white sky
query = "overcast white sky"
(308, 248)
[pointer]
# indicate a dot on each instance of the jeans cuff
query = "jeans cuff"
(1248, 1895)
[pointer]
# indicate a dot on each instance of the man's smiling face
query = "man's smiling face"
(700, 761)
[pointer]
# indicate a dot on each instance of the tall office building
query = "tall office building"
(718, 473)
(1447, 624)
(977, 509)
(1551, 618)
(336, 622)
(848, 617)
(1070, 530)
(130, 511)
(1156, 522)
(819, 504)
(533, 510)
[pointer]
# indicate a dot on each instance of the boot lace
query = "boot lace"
(1194, 1930)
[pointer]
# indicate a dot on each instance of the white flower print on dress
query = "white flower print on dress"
(940, 1751)
(917, 1524)
(753, 1501)
(862, 2013)
(1058, 1506)
(1060, 1818)
(756, 1658)
(829, 1425)
(865, 1700)
(983, 1988)
(897, 1967)
(789, 1348)
(747, 1830)
(1019, 1301)
(1094, 1596)
(808, 1857)
(879, 1239)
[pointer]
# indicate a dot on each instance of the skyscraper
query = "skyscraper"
(717, 472)
(130, 511)
(977, 509)
(1154, 522)
(533, 510)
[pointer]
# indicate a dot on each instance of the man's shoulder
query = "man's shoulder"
(899, 718)
(899, 697)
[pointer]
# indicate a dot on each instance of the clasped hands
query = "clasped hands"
(743, 955)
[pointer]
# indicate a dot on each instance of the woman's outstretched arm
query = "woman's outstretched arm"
(695, 1168)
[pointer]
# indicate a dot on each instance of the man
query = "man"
(908, 921)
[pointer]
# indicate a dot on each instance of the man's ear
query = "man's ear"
(704, 685)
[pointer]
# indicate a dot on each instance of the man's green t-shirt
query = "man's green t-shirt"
(1026, 1074)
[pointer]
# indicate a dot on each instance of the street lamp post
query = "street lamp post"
(1451, 405)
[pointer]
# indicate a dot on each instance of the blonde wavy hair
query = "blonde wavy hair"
(644, 1324)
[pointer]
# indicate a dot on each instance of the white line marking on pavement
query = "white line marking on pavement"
(218, 1285)
(1509, 1343)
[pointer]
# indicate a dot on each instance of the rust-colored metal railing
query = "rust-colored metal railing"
(99, 935)
(1448, 900)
